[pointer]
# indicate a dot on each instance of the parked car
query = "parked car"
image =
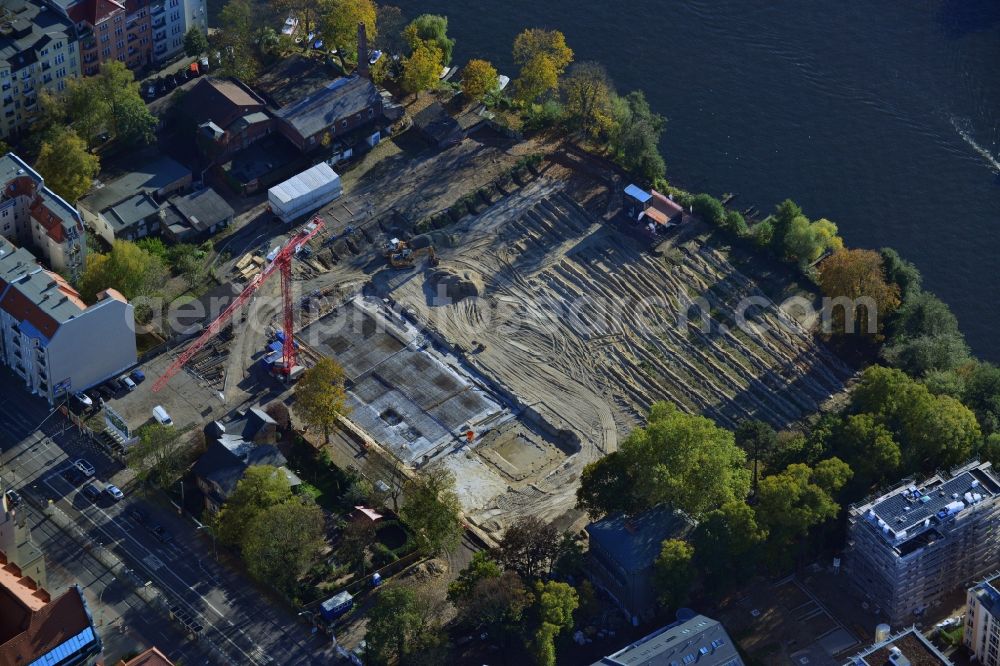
(203, 64)
(83, 399)
(127, 383)
(93, 491)
(114, 491)
(137, 375)
(161, 86)
(85, 467)
(161, 416)
(169, 82)
(13, 499)
(150, 90)
(136, 515)
(73, 475)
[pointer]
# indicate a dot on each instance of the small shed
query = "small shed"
(636, 200)
(437, 125)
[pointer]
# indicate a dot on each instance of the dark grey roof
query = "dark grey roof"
(988, 594)
(700, 641)
(203, 208)
(151, 176)
(33, 26)
(130, 211)
(635, 542)
(226, 460)
(910, 509)
(321, 109)
(435, 122)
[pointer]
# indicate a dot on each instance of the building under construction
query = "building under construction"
(917, 543)
(409, 397)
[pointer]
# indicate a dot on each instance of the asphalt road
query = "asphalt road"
(243, 626)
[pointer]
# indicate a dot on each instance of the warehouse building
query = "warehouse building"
(915, 544)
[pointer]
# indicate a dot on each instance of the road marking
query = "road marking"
(159, 580)
(153, 562)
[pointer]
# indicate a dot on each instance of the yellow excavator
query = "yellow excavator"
(402, 254)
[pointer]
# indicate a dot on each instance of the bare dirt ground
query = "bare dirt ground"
(578, 322)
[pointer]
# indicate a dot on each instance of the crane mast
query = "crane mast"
(282, 264)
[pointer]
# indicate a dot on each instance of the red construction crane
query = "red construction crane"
(282, 263)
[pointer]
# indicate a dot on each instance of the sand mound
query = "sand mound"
(455, 284)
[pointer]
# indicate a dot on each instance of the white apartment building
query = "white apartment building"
(50, 338)
(33, 216)
(38, 51)
(982, 622)
(171, 19)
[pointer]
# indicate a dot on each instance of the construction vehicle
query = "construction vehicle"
(281, 263)
(401, 254)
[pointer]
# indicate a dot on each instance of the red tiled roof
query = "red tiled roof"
(151, 657)
(21, 307)
(47, 628)
(111, 293)
(71, 293)
(94, 12)
(21, 186)
(49, 221)
(665, 205)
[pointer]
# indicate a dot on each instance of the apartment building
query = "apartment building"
(113, 30)
(982, 622)
(915, 544)
(50, 338)
(33, 216)
(38, 51)
(171, 21)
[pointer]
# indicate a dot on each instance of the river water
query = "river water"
(883, 115)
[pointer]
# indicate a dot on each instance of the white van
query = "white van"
(161, 416)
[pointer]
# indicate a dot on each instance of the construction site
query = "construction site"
(521, 340)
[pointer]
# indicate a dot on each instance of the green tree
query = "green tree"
(339, 25)
(109, 101)
(431, 509)
(156, 457)
(900, 272)
(261, 487)
(400, 625)
(538, 76)
(481, 567)
(709, 209)
(236, 41)
(635, 135)
(806, 241)
(195, 42)
(422, 68)
(782, 220)
(855, 281)
(282, 542)
(478, 78)
(673, 572)
(127, 268)
(555, 603)
(66, 165)
(735, 223)
(924, 336)
(320, 396)
(793, 501)
(530, 547)
(982, 394)
(433, 29)
(588, 94)
(763, 233)
(726, 544)
(870, 448)
(757, 439)
(680, 459)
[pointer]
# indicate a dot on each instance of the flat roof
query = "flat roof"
(635, 542)
(134, 209)
(911, 508)
(911, 643)
(202, 208)
(400, 392)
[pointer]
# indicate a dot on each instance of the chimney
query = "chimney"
(362, 50)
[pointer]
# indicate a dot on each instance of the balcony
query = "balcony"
(159, 36)
(156, 9)
(159, 22)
